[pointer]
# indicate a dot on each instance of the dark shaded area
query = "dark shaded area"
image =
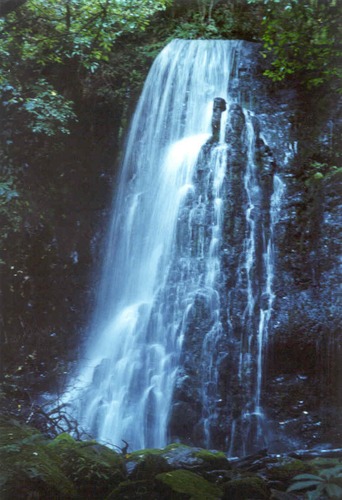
(50, 268)
(7, 6)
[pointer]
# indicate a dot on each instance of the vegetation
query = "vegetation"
(303, 39)
(34, 466)
(327, 481)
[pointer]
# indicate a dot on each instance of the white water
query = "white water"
(256, 316)
(162, 275)
(124, 386)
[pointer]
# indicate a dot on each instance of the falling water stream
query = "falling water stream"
(164, 255)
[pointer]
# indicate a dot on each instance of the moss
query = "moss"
(27, 470)
(93, 468)
(246, 488)
(139, 454)
(318, 176)
(61, 469)
(287, 468)
(213, 459)
(134, 489)
(186, 484)
(210, 455)
(64, 439)
(88, 449)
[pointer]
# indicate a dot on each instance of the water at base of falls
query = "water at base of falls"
(164, 276)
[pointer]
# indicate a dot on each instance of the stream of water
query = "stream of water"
(164, 251)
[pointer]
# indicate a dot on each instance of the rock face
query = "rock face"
(300, 393)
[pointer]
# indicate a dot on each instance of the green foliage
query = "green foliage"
(86, 30)
(196, 27)
(32, 467)
(38, 105)
(209, 19)
(302, 38)
(27, 470)
(318, 171)
(49, 111)
(56, 58)
(88, 465)
(327, 481)
(49, 49)
(11, 209)
(7, 192)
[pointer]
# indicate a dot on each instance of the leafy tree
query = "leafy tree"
(78, 34)
(67, 72)
(208, 19)
(45, 31)
(302, 38)
(51, 54)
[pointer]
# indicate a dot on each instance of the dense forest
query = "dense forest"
(71, 73)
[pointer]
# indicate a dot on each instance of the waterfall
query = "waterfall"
(186, 293)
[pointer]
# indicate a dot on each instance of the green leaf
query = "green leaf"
(300, 477)
(314, 495)
(303, 485)
(332, 471)
(333, 490)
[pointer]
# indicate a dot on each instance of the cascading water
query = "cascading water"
(186, 293)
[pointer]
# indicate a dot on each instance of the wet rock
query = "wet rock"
(182, 484)
(246, 488)
(218, 108)
(149, 466)
(286, 468)
(235, 123)
(142, 489)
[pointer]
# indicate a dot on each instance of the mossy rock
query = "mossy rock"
(60, 469)
(128, 490)
(27, 469)
(176, 455)
(286, 468)
(183, 484)
(93, 468)
(140, 454)
(246, 488)
(149, 467)
(212, 459)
